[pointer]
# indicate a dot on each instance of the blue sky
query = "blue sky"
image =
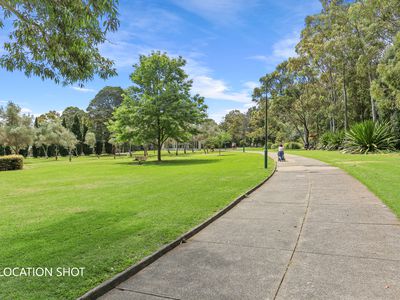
(228, 45)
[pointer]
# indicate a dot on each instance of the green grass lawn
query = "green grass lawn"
(379, 172)
(106, 214)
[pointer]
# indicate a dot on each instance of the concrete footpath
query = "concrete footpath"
(310, 232)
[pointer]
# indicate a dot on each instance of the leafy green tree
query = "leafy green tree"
(386, 89)
(77, 121)
(206, 131)
(233, 123)
(220, 139)
(159, 105)
(17, 131)
(69, 141)
(256, 116)
(58, 40)
(79, 129)
(68, 115)
(345, 72)
(100, 111)
(2, 134)
(43, 137)
(116, 144)
(64, 123)
(90, 140)
(330, 45)
(51, 134)
(48, 117)
(35, 149)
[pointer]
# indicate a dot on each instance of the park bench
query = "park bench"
(140, 159)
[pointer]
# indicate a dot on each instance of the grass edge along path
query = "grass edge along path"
(106, 214)
(380, 173)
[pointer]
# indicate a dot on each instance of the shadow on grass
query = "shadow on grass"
(73, 240)
(172, 162)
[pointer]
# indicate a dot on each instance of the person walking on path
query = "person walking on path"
(281, 153)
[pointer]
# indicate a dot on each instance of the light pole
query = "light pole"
(266, 129)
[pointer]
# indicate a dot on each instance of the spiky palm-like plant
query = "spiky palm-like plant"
(369, 136)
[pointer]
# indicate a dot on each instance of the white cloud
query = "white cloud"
(149, 32)
(285, 48)
(19, 103)
(83, 90)
(26, 110)
(221, 12)
(251, 85)
(281, 50)
(219, 116)
(143, 32)
(217, 89)
(212, 88)
(151, 19)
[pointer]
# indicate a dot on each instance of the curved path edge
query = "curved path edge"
(111, 283)
(311, 232)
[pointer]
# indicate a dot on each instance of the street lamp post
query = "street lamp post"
(266, 130)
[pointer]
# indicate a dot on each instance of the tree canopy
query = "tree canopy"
(345, 72)
(16, 130)
(159, 104)
(58, 40)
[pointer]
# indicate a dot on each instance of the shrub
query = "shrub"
(293, 145)
(11, 162)
(369, 136)
(274, 146)
(332, 140)
(269, 145)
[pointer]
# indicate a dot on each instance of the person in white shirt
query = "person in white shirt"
(281, 153)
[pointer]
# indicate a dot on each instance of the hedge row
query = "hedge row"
(293, 145)
(11, 162)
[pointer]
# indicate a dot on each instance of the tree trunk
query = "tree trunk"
(158, 154)
(103, 150)
(346, 122)
(45, 150)
(70, 155)
(159, 145)
(373, 107)
(306, 137)
(56, 152)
